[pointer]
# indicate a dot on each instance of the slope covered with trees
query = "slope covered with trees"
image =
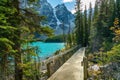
(17, 27)
(99, 32)
(97, 29)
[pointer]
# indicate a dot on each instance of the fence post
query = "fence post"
(48, 69)
(85, 62)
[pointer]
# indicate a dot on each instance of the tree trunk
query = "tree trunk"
(17, 46)
(4, 67)
(18, 68)
(18, 61)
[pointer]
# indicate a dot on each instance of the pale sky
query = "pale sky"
(84, 2)
(87, 2)
(71, 3)
(67, 1)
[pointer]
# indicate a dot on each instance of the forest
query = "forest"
(97, 29)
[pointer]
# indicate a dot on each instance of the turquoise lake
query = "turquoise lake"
(47, 49)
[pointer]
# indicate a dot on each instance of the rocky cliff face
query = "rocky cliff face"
(63, 14)
(47, 10)
(65, 17)
(58, 18)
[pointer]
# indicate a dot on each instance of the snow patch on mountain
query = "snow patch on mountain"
(58, 18)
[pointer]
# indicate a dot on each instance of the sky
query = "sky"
(70, 4)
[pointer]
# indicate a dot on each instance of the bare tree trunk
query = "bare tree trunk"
(4, 67)
(18, 63)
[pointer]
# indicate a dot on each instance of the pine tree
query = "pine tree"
(89, 22)
(99, 25)
(93, 28)
(16, 26)
(79, 24)
(81, 33)
(85, 28)
(69, 39)
(95, 14)
(117, 9)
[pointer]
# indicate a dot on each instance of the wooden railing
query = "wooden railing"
(53, 63)
(72, 69)
(85, 64)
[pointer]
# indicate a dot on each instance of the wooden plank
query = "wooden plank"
(72, 69)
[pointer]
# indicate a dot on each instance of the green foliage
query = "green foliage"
(47, 31)
(114, 54)
(89, 22)
(102, 20)
(70, 41)
(82, 29)
(107, 45)
(17, 27)
(58, 38)
(86, 28)
(5, 40)
(104, 39)
(95, 11)
(79, 28)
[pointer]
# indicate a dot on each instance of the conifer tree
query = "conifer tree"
(85, 28)
(16, 26)
(79, 24)
(98, 27)
(89, 21)
(117, 9)
(69, 36)
(95, 10)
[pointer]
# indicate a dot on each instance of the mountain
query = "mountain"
(58, 18)
(63, 14)
(47, 10)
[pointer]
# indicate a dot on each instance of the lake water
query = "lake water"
(47, 49)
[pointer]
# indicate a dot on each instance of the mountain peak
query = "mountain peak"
(61, 6)
(55, 17)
